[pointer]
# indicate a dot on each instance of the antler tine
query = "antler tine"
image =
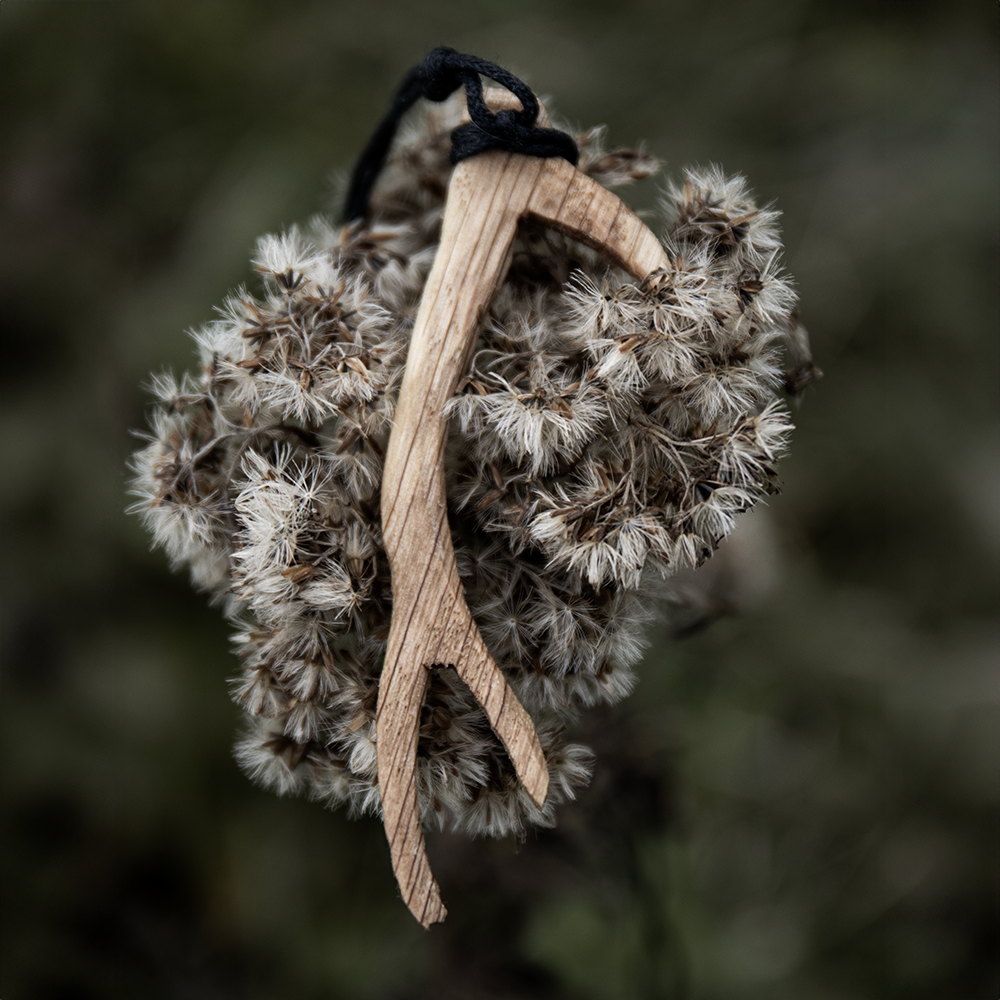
(431, 621)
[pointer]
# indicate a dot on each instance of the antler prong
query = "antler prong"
(431, 623)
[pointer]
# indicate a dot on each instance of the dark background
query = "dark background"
(797, 802)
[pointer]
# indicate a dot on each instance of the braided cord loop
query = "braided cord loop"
(436, 79)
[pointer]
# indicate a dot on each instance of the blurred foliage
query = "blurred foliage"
(799, 801)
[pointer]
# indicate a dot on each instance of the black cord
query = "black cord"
(436, 79)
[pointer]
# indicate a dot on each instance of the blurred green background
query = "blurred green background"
(798, 802)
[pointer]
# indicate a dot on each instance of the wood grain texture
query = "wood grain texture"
(431, 623)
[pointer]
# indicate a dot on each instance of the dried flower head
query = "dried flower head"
(606, 434)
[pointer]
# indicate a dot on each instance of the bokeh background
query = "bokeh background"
(799, 801)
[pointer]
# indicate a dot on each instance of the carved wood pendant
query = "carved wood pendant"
(431, 623)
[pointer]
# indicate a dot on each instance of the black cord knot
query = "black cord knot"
(436, 79)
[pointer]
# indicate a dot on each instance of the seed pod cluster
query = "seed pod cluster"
(606, 434)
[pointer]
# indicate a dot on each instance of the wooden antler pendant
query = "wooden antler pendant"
(431, 621)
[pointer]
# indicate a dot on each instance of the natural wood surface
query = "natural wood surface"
(431, 623)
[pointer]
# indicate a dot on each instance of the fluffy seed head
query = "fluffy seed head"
(607, 433)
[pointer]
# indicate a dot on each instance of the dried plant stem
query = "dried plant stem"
(431, 621)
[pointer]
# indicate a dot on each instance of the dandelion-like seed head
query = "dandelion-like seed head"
(606, 434)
